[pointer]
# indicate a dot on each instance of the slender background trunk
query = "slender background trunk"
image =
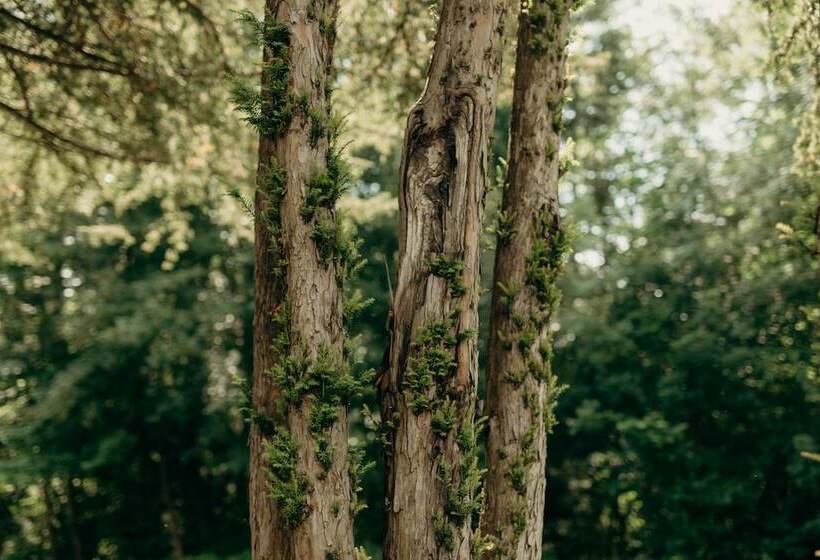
(300, 490)
(521, 388)
(170, 516)
(71, 512)
(48, 520)
(429, 388)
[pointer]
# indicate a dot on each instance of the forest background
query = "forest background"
(689, 333)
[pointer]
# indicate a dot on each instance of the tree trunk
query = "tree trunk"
(50, 551)
(521, 388)
(429, 387)
(170, 516)
(300, 489)
(71, 511)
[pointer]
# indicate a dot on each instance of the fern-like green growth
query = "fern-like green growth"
(288, 487)
(451, 270)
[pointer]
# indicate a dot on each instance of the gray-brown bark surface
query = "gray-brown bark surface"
(520, 384)
(298, 299)
(429, 387)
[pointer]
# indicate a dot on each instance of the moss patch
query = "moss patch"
(452, 270)
(288, 487)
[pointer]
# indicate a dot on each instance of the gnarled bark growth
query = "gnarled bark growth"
(429, 388)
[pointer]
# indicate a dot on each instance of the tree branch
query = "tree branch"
(64, 63)
(55, 140)
(55, 37)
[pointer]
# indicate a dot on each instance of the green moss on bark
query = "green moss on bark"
(452, 270)
(288, 487)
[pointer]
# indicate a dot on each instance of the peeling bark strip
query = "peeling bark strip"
(429, 388)
(521, 388)
(300, 488)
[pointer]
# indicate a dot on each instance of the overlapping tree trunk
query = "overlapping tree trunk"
(521, 387)
(300, 489)
(429, 388)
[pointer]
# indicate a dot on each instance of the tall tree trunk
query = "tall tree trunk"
(300, 489)
(71, 511)
(48, 520)
(521, 388)
(170, 516)
(429, 387)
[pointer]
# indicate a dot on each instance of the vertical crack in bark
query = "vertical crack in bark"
(429, 389)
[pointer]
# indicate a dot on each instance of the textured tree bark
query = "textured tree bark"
(300, 503)
(521, 387)
(429, 387)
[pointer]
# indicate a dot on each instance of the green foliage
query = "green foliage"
(102, 83)
(443, 532)
(270, 109)
(249, 412)
(515, 378)
(329, 383)
(504, 227)
(324, 188)
(97, 425)
(525, 457)
(384, 429)
(355, 304)
(327, 27)
(462, 484)
(508, 295)
(288, 487)
(684, 351)
(323, 191)
(264, 32)
(444, 418)
(691, 343)
(432, 361)
(549, 249)
(334, 244)
(324, 450)
(794, 28)
(358, 467)
(543, 18)
(554, 391)
(361, 554)
(519, 520)
(326, 381)
(318, 125)
(567, 160)
(452, 270)
(272, 182)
